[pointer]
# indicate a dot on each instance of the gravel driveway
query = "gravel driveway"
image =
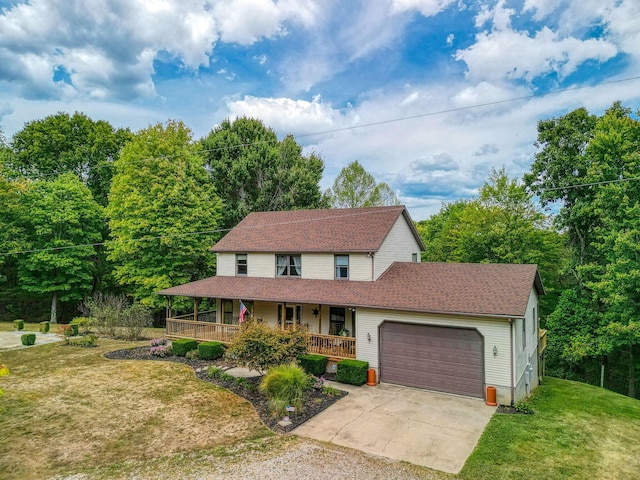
(276, 458)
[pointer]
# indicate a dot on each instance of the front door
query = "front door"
(336, 320)
(227, 312)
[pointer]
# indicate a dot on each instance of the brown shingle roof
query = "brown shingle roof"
(445, 288)
(324, 230)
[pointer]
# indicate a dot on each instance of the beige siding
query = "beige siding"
(226, 265)
(261, 265)
(321, 266)
(495, 332)
(526, 354)
(399, 246)
(318, 266)
(360, 267)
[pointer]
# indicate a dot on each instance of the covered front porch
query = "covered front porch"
(330, 329)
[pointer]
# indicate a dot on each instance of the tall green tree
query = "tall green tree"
(254, 171)
(161, 202)
(355, 187)
(600, 199)
(63, 143)
(12, 239)
(61, 220)
(502, 225)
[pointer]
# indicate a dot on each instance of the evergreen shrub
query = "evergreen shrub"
(313, 364)
(211, 350)
(182, 346)
(353, 372)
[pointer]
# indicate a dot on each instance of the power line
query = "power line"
(284, 223)
(384, 122)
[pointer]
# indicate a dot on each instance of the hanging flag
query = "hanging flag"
(243, 311)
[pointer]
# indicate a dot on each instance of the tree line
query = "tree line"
(576, 214)
(86, 207)
(146, 207)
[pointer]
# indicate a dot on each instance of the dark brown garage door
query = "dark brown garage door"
(436, 358)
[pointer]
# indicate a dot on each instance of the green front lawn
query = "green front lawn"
(578, 431)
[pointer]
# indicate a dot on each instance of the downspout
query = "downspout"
(373, 266)
(513, 373)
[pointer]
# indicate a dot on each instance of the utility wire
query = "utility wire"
(283, 223)
(381, 122)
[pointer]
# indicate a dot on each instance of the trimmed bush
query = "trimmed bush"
(44, 327)
(18, 324)
(353, 372)
(85, 341)
(73, 329)
(211, 350)
(314, 364)
(183, 345)
(28, 339)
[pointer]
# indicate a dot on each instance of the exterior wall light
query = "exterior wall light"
(369, 336)
(495, 351)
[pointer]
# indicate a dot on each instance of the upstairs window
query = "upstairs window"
(524, 333)
(288, 266)
(241, 264)
(342, 267)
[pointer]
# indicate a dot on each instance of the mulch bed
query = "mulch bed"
(315, 401)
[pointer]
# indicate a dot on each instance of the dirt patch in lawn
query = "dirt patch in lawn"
(314, 401)
(65, 407)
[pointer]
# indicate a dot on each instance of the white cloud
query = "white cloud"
(286, 115)
(450, 38)
(499, 54)
(426, 7)
(108, 48)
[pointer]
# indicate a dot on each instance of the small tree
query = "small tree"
(134, 320)
(259, 347)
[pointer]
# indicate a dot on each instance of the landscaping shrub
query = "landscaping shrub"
(353, 372)
(83, 323)
(313, 364)
(158, 341)
(134, 320)
(183, 345)
(44, 327)
(523, 407)
(285, 385)
(192, 354)
(4, 370)
(211, 350)
(28, 339)
(106, 310)
(18, 324)
(84, 341)
(214, 372)
(160, 351)
(259, 346)
(74, 329)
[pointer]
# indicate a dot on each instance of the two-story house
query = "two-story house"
(353, 279)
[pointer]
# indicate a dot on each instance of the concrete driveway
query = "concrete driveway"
(424, 428)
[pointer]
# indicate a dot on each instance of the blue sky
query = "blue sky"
(305, 67)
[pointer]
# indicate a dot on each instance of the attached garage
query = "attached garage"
(444, 359)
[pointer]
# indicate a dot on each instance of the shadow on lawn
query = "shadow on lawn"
(315, 401)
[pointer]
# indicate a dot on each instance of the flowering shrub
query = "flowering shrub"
(159, 351)
(158, 341)
(319, 383)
